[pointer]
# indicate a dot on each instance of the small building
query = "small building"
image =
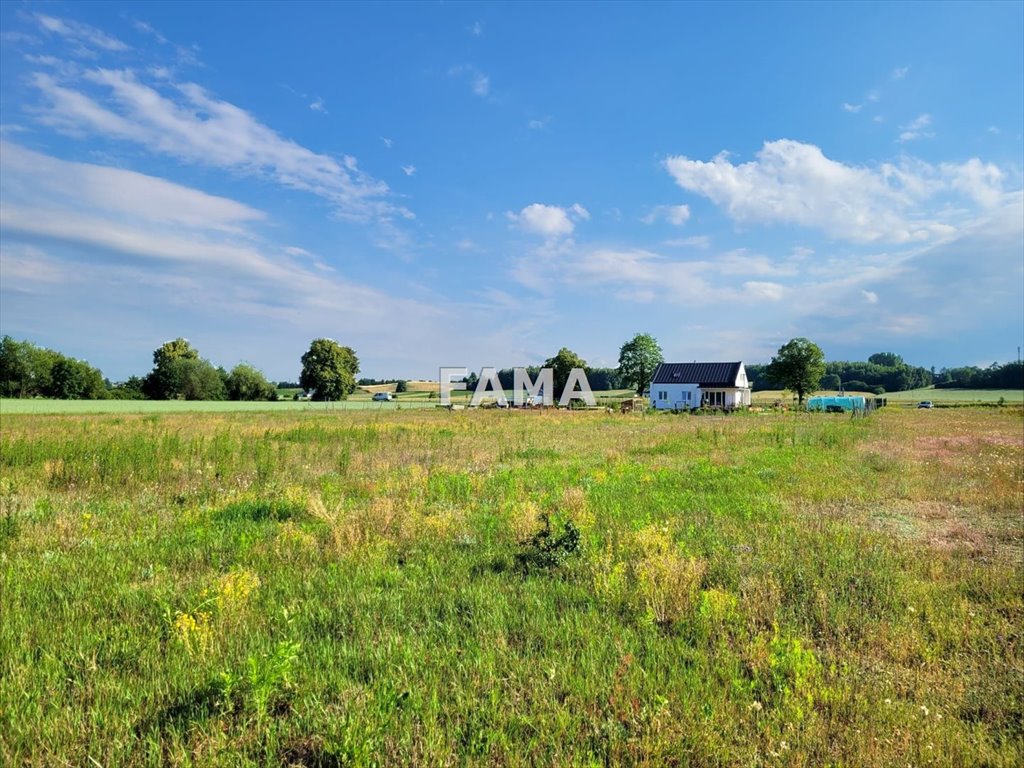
(685, 386)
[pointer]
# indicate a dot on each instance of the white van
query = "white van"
(383, 396)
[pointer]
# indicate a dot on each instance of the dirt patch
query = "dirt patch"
(946, 527)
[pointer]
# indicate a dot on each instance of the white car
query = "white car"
(383, 396)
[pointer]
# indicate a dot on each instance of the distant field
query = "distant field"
(358, 401)
(195, 406)
(956, 395)
(937, 396)
(421, 398)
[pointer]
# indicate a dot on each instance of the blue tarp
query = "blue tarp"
(846, 403)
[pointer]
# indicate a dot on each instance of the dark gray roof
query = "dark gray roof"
(704, 374)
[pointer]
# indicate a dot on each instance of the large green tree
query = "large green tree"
(638, 358)
(180, 373)
(798, 366)
(561, 366)
(329, 370)
(72, 379)
(248, 383)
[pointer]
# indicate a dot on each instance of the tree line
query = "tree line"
(329, 372)
(179, 373)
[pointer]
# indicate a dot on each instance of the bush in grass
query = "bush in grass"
(669, 584)
(544, 550)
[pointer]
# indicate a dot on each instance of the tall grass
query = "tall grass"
(494, 588)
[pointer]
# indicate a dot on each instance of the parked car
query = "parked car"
(383, 396)
(925, 404)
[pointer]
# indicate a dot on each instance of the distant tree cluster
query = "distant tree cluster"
(30, 371)
(179, 373)
(996, 376)
(885, 371)
(881, 372)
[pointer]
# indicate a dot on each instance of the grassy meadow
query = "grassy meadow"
(309, 587)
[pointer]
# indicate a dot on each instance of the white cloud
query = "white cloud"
(900, 72)
(852, 107)
(915, 129)
(536, 125)
(317, 105)
(387, 142)
(874, 95)
(477, 29)
(408, 170)
(547, 220)
(80, 33)
(478, 81)
(869, 296)
(993, 130)
(185, 121)
(794, 183)
(982, 182)
(676, 215)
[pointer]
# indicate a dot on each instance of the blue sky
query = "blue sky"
(482, 184)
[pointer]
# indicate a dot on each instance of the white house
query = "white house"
(679, 386)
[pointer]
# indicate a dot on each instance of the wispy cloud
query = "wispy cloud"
(477, 29)
(409, 170)
(387, 142)
(676, 215)
(42, 181)
(148, 29)
(537, 124)
(899, 73)
(165, 229)
(703, 242)
(317, 105)
(916, 129)
(479, 83)
(185, 121)
(852, 107)
(80, 33)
